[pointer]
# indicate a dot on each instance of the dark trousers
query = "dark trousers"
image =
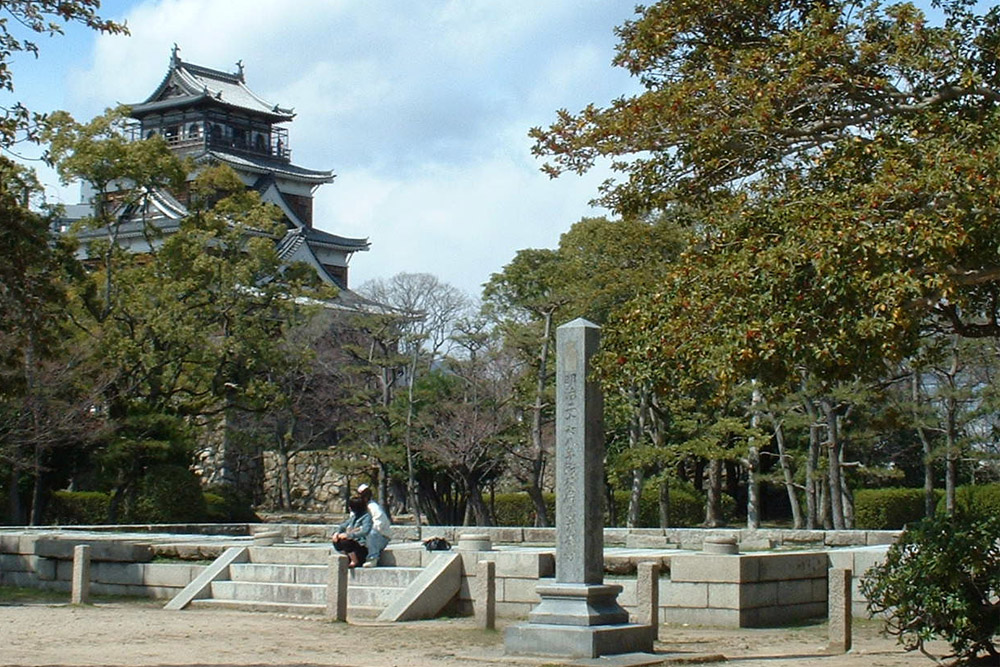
(350, 546)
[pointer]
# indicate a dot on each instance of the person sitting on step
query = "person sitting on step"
(351, 536)
(381, 526)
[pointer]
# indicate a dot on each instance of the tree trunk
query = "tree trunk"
(753, 464)
(789, 477)
(664, 502)
(834, 446)
(537, 446)
(411, 487)
(635, 431)
(813, 504)
(925, 442)
(713, 500)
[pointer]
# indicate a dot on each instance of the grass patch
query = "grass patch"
(13, 595)
(19, 595)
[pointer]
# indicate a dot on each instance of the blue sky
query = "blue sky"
(421, 108)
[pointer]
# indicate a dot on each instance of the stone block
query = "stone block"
(724, 596)
(648, 541)
(819, 590)
(10, 543)
(803, 537)
(680, 594)
(520, 590)
(170, 575)
(626, 597)
(615, 537)
(313, 533)
(405, 533)
(864, 559)
(762, 594)
(45, 568)
(518, 610)
(22, 579)
(64, 570)
(15, 562)
(877, 537)
(763, 617)
(101, 550)
(505, 534)
(779, 566)
(537, 564)
(107, 572)
(725, 618)
(845, 538)
(796, 591)
(539, 535)
(842, 558)
(839, 611)
(714, 568)
(484, 595)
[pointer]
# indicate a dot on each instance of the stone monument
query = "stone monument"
(579, 615)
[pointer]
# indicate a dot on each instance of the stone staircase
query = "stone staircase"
(293, 579)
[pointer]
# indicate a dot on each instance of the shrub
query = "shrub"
(977, 500)
(941, 580)
(516, 509)
(77, 508)
(687, 506)
(887, 509)
(167, 494)
(224, 504)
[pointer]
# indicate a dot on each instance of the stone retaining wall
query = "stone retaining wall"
(117, 568)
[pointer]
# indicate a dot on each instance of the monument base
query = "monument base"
(574, 641)
(578, 604)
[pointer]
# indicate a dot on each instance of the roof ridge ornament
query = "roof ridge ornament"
(175, 59)
(239, 70)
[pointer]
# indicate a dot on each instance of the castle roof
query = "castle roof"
(187, 84)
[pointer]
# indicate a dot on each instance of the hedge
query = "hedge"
(687, 508)
(888, 509)
(167, 494)
(77, 508)
(978, 500)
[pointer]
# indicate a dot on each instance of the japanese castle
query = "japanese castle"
(213, 117)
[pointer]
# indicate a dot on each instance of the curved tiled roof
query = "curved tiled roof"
(186, 84)
(263, 165)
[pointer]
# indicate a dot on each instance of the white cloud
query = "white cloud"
(421, 108)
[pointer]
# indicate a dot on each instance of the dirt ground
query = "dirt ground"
(143, 634)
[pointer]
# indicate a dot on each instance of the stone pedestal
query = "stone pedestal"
(578, 616)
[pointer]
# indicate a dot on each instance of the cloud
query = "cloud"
(421, 108)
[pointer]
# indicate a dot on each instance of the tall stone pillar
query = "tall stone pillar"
(579, 615)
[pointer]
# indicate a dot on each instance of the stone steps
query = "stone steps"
(293, 579)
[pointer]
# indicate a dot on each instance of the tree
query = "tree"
(30, 294)
(429, 310)
(43, 18)
(527, 294)
(841, 160)
(940, 580)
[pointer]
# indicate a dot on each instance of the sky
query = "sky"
(422, 109)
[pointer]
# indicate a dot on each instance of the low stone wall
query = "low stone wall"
(747, 589)
(117, 568)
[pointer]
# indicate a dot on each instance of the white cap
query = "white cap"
(362, 488)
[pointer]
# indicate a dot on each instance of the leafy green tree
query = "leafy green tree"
(28, 282)
(842, 161)
(45, 18)
(941, 580)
